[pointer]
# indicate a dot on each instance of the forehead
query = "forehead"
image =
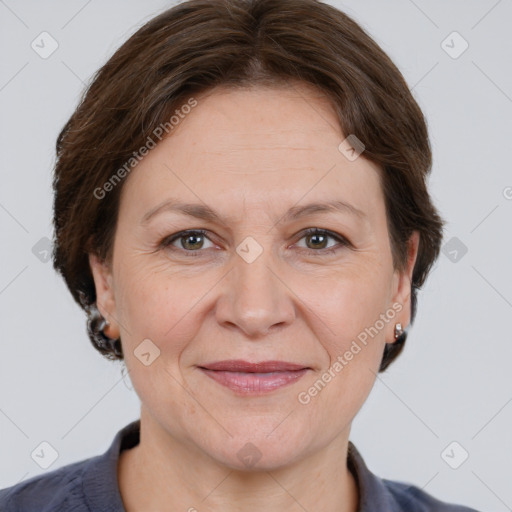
(253, 147)
(262, 118)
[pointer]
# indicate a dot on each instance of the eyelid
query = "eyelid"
(168, 240)
(325, 232)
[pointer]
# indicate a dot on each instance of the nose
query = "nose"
(255, 299)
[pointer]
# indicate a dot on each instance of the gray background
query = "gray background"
(452, 383)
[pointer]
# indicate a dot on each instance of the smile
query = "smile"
(252, 383)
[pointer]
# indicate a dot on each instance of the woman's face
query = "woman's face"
(254, 286)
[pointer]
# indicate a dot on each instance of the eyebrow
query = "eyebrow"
(204, 212)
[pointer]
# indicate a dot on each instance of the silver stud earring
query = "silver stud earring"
(95, 325)
(398, 330)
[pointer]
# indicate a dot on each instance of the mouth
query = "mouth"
(247, 378)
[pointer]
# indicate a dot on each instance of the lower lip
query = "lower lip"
(254, 383)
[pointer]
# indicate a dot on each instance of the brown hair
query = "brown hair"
(199, 44)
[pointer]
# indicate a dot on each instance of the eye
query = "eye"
(190, 241)
(319, 237)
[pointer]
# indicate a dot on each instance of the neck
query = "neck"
(165, 473)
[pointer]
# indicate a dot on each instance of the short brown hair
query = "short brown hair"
(199, 44)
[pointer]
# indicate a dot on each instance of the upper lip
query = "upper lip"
(239, 365)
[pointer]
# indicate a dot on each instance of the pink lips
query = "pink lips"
(254, 378)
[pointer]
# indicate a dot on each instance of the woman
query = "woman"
(241, 209)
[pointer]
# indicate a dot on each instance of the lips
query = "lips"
(245, 378)
(239, 365)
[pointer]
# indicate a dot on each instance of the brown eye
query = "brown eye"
(189, 241)
(192, 241)
(317, 240)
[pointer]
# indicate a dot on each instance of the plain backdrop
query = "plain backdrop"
(453, 381)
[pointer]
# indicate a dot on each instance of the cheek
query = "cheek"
(349, 313)
(157, 307)
(347, 303)
(155, 304)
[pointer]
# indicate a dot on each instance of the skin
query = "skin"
(250, 155)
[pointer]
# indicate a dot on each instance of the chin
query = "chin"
(254, 452)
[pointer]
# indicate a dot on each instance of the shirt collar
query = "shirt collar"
(101, 486)
(373, 495)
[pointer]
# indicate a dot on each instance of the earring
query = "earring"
(95, 325)
(398, 330)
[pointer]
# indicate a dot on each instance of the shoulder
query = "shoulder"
(60, 489)
(88, 485)
(414, 499)
(390, 495)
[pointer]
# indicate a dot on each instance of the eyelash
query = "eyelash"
(167, 241)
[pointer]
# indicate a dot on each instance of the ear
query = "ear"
(105, 297)
(402, 284)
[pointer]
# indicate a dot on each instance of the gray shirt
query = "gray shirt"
(91, 485)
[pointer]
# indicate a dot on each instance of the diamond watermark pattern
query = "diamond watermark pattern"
(249, 455)
(146, 352)
(42, 249)
(44, 45)
(454, 249)
(351, 147)
(454, 45)
(249, 249)
(454, 455)
(44, 455)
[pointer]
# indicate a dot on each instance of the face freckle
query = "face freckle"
(240, 166)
